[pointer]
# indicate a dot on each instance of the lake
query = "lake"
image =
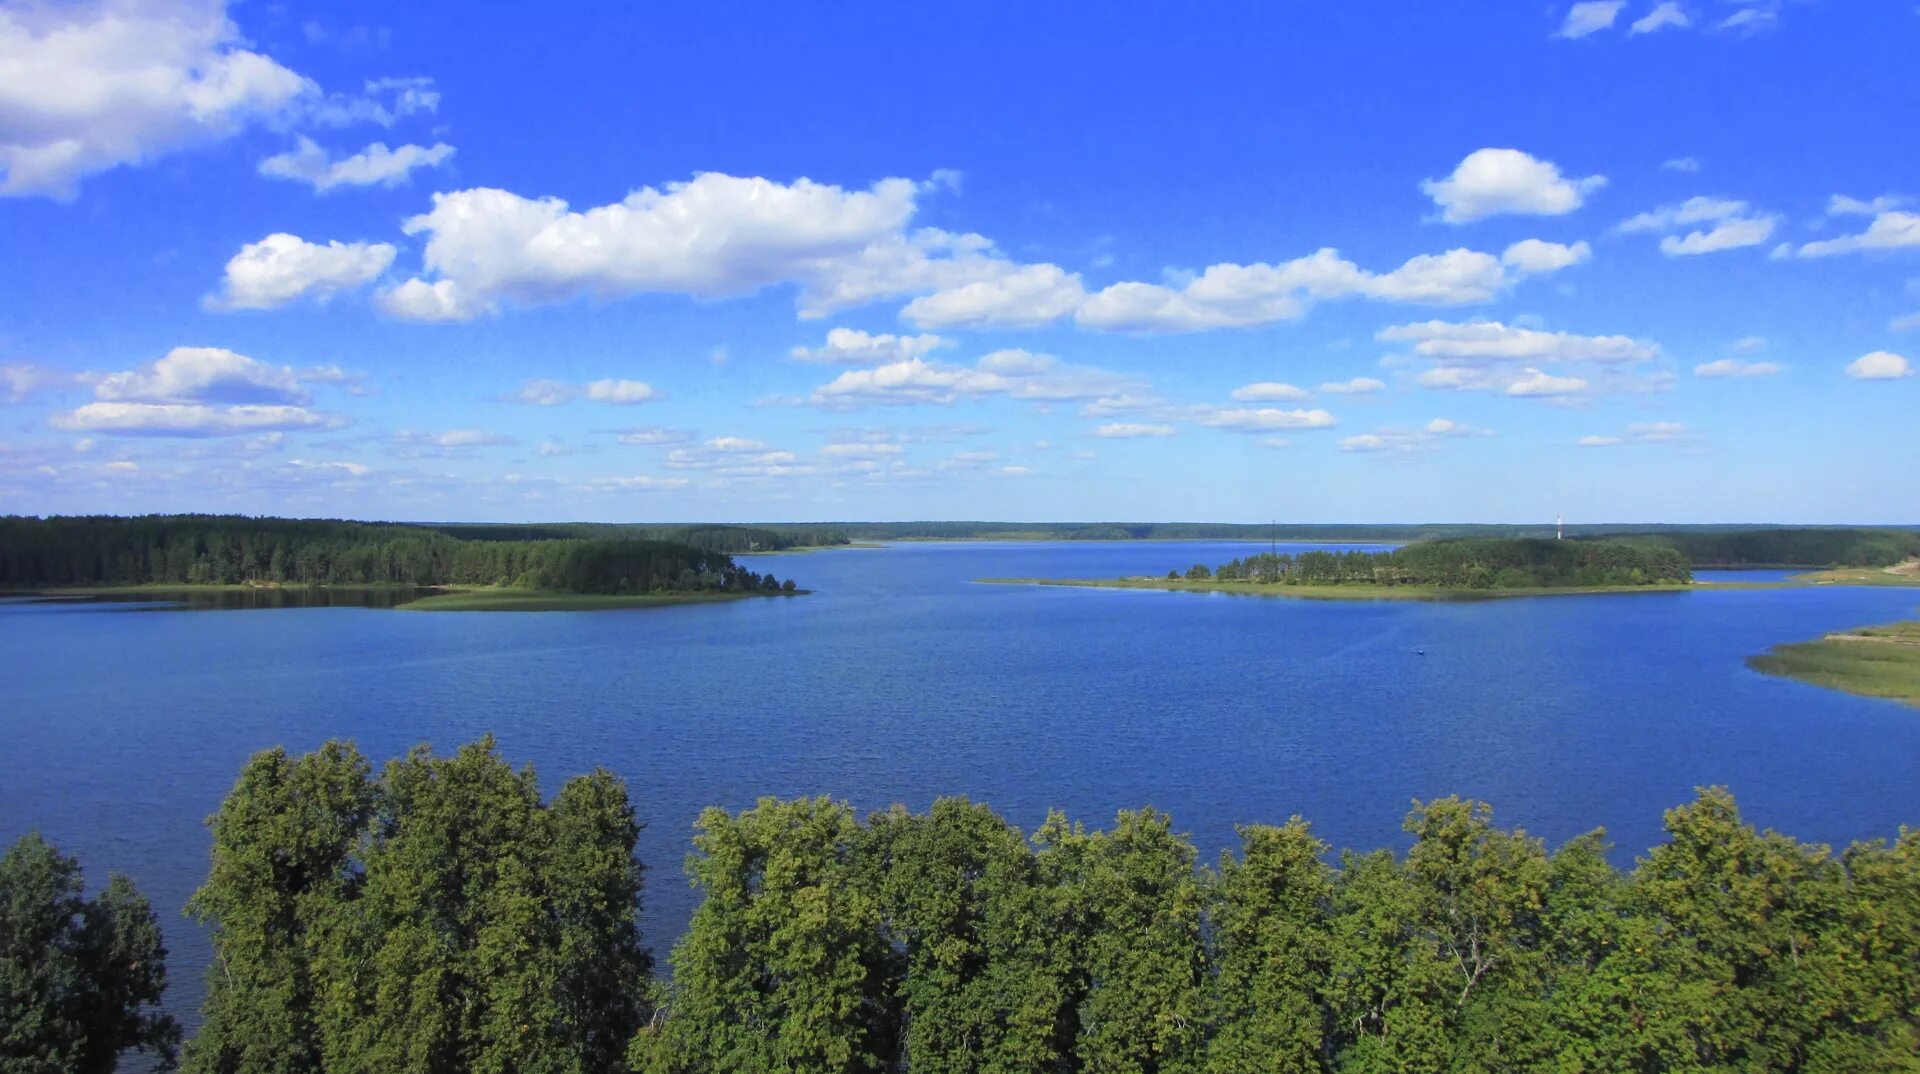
(900, 680)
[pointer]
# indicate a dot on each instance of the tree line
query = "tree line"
(1472, 563)
(442, 917)
(1796, 547)
(38, 553)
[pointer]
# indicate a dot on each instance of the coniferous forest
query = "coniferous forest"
(441, 916)
(228, 550)
(1467, 563)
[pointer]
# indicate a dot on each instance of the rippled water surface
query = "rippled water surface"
(900, 679)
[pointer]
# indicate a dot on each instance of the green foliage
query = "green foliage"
(227, 550)
(1476, 563)
(1795, 547)
(80, 979)
(438, 919)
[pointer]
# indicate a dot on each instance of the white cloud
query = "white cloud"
(654, 435)
(620, 392)
(1902, 324)
(1890, 230)
(189, 419)
(85, 87)
(714, 236)
(1734, 225)
(1655, 432)
(1492, 341)
(1127, 430)
(1490, 182)
(850, 346)
(1271, 392)
(1662, 16)
(1230, 295)
(283, 268)
(1264, 419)
(1536, 256)
(862, 450)
(382, 101)
(1589, 17)
(1534, 384)
(20, 380)
(450, 441)
(376, 165)
(1010, 374)
(545, 392)
(439, 302)
(1020, 297)
(1880, 365)
(211, 375)
(634, 483)
(1689, 165)
(1753, 17)
(1734, 367)
(1407, 441)
(1842, 205)
(1355, 386)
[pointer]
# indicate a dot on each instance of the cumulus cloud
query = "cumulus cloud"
(545, 392)
(1890, 230)
(1492, 341)
(1534, 384)
(1536, 256)
(1656, 432)
(1264, 419)
(1734, 367)
(1396, 440)
(283, 268)
(189, 419)
(1880, 365)
(1733, 224)
(1271, 392)
(1131, 430)
(1663, 15)
(1491, 182)
(714, 236)
(851, 346)
(1355, 386)
(376, 165)
(89, 86)
(1011, 374)
(203, 391)
(1230, 295)
(1589, 17)
(1020, 297)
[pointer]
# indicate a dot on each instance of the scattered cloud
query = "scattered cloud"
(1589, 17)
(1402, 441)
(1264, 419)
(1687, 165)
(1492, 182)
(1127, 430)
(381, 101)
(1021, 297)
(453, 443)
(212, 375)
(89, 87)
(1009, 374)
(1534, 384)
(1492, 341)
(1880, 365)
(19, 380)
(1842, 205)
(654, 436)
(1734, 367)
(1535, 257)
(1657, 432)
(1733, 224)
(1902, 324)
(1355, 386)
(189, 419)
(850, 346)
(1663, 16)
(1890, 230)
(1271, 392)
(283, 268)
(376, 165)
(544, 392)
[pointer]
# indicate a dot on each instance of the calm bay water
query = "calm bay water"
(900, 680)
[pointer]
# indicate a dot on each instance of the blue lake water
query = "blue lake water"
(900, 680)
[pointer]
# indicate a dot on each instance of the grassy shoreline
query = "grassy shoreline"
(1881, 661)
(1335, 592)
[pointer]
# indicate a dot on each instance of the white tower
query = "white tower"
(1559, 527)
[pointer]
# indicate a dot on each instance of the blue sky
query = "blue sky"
(1368, 262)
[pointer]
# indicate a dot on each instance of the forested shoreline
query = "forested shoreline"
(1466, 563)
(442, 916)
(192, 550)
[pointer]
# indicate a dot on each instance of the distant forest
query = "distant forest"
(229, 550)
(441, 914)
(1795, 547)
(1474, 563)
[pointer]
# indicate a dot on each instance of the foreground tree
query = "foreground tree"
(80, 979)
(441, 919)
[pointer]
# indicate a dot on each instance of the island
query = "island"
(407, 566)
(1877, 661)
(1429, 570)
